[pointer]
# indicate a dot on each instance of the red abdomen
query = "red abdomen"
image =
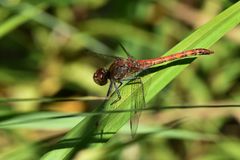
(194, 52)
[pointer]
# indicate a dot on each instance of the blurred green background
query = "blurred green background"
(50, 49)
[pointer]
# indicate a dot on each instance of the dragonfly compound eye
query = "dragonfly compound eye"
(101, 76)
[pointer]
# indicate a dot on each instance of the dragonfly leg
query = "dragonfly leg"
(110, 88)
(117, 91)
(120, 84)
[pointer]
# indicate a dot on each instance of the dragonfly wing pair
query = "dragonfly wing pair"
(137, 103)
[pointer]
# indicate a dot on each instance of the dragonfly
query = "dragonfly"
(127, 69)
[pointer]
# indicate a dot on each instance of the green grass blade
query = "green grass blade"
(12, 23)
(28, 12)
(42, 120)
(204, 37)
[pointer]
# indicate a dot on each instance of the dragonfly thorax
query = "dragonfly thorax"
(122, 69)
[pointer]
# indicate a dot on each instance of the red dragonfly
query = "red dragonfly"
(127, 69)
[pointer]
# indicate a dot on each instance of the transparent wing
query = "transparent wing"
(137, 104)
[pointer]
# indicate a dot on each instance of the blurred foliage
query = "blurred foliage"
(50, 49)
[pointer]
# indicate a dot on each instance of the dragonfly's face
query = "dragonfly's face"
(101, 76)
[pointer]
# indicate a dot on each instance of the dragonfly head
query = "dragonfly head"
(101, 76)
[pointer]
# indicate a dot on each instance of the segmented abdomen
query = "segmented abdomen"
(194, 52)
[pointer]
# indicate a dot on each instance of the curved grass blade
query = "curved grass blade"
(204, 37)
